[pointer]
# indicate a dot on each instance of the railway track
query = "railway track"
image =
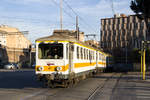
(73, 93)
(100, 87)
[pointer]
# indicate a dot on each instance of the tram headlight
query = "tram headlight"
(58, 68)
(40, 68)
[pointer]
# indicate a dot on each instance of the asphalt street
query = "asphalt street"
(22, 85)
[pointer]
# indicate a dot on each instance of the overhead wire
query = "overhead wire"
(75, 13)
(63, 9)
(82, 19)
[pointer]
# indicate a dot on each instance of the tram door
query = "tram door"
(71, 50)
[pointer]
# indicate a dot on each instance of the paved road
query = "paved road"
(22, 85)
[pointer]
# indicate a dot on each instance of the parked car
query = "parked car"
(11, 66)
(1, 65)
(33, 66)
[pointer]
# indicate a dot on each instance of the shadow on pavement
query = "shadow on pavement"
(19, 80)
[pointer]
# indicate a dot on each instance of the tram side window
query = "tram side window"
(50, 51)
(84, 54)
(81, 51)
(87, 54)
(94, 55)
(102, 57)
(99, 56)
(77, 52)
(67, 51)
(90, 57)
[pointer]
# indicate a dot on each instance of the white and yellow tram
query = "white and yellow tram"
(64, 60)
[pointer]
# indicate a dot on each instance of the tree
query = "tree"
(142, 10)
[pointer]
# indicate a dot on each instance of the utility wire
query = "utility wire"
(85, 23)
(89, 26)
(70, 8)
(63, 9)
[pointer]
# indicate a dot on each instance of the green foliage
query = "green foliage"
(141, 8)
(135, 56)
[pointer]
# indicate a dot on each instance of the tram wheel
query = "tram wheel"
(70, 83)
(65, 83)
(50, 84)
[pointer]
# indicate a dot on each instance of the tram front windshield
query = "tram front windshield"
(50, 51)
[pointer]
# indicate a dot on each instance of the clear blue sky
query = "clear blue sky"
(41, 17)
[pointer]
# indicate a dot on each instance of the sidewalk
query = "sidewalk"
(132, 87)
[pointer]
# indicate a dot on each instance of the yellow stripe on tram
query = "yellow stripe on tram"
(65, 68)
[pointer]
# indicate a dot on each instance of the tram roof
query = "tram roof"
(66, 37)
(58, 38)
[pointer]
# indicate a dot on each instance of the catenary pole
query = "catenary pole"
(61, 16)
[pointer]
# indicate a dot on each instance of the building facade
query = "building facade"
(14, 46)
(13, 38)
(122, 31)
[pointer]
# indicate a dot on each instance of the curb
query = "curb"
(19, 70)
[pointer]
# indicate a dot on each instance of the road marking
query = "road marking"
(33, 95)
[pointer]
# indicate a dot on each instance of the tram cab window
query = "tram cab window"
(50, 51)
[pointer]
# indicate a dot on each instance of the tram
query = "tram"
(64, 60)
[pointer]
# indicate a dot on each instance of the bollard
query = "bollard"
(144, 65)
